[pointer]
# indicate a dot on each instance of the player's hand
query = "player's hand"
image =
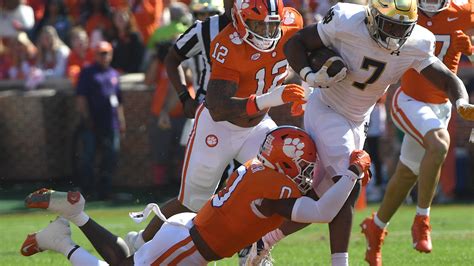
(297, 109)
(465, 109)
(322, 79)
(361, 160)
(189, 107)
(278, 96)
(462, 43)
(293, 93)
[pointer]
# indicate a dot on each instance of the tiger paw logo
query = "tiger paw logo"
(288, 18)
(293, 148)
(211, 141)
(235, 38)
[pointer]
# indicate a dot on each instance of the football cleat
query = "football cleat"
(66, 204)
(56, 236)
(259, 255)
(374, 236)
(243, 254)
(421, 234)
(134, 241)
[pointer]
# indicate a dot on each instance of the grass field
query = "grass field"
(453, 237)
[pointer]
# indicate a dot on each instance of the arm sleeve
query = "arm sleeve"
(188, 44)
(307, 210)
(327, 27)
(425, 53)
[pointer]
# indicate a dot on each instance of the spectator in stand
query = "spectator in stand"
(96, 15)
(52, 53)
(167, 121)
(23, 57)
(38, 8)
(14, 18)
(180, 20)
(5, 61)
(127, 43)
(74, 8)
(81, 54)
(55, 15)
(147, 14)
(99, 103)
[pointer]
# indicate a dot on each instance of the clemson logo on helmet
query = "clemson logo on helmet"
(293, 148)
(268, 146)
(212, 140)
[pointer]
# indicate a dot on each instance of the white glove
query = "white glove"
(321, 78)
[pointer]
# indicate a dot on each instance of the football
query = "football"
(317, 58)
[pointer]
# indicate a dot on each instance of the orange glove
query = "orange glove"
(297, 109)
(462, 43)
(292, 93)
(361, 160)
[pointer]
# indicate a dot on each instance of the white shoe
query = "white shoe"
(56, 236)
(134, 241)
(259, 255)
(66, 204)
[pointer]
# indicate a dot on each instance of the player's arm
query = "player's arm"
(296, 51)
(298, 46)
(176, 76)
(448, 82)
(221, 103)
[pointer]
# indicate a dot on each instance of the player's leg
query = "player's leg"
(70, 205)
(208, 152)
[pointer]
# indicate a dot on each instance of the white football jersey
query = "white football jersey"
(371, 68)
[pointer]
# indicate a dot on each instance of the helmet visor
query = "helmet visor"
(389, 28)
(262, 29)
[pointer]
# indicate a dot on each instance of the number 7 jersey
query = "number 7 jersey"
(371, 68)
(256, 72)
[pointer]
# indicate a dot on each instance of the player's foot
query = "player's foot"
(56, 236)
(243, 255)
(259, 255)
(66, 204)
(421, 234)
(374, 236)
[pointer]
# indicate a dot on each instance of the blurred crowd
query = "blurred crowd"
(43, 39)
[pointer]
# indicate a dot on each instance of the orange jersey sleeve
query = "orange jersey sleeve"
(255, 72)
(459, 16)
(230, 220)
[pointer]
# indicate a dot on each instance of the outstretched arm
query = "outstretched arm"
(448, 82)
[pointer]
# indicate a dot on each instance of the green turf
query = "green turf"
(453, 238)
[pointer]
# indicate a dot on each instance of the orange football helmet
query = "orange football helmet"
(290, 151)
(258, 22)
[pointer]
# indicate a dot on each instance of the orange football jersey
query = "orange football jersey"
(256, 72)
(230, 221)
(459, 16)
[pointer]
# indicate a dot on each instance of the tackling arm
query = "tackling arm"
(221, 102)
(448, 82)
(308, 210)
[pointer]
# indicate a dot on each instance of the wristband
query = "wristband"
(252, 105)
(304, 72)
(461, 101)
(184, 96)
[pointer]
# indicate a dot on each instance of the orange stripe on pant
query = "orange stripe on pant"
(189, 150)
(404, 121)
(183, 255)
(171, 250)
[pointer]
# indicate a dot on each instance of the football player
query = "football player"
(258, 197)
(248, 69)
(422, 112)
(378, 43)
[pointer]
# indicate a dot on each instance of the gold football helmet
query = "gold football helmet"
(390, 22)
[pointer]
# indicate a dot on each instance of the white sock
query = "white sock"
(79, 257)
(273, 237)
(379, 222)
(340, 259)
(81, 219)
(422, 211)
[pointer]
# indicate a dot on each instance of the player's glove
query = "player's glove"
(361, 160)
(278, 96)
(321, 78)
(462, 43)
(465, 109)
